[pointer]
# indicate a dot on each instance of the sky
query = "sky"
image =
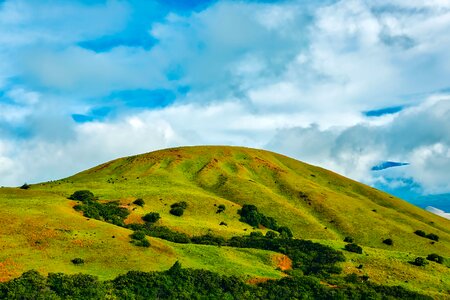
(358, 87)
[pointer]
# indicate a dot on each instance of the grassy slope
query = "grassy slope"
(335, 206)
(41, 231)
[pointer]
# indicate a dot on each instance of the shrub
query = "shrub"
(420, 233)
(181, 204)
(142, 243)
(177, 211)
(436, 258)
(432, 236)
(353, 248)
(83, 196)
(220, 209)
(25, 186)
(285, 232)
(256, 234)
(139, 202)
(250, 215)
(137, 235)
(420, 261)
(389, 242)
(77, 261)
(151, 217)
(348, 239)
(271, 234)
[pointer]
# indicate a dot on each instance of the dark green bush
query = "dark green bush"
(432, 236)
(161, 232)
(137, 235)
(258, 234)
(83, 196)
(250, 215)
(77, 261)
(25, 186)
(110, 212)
(151, 217)
(353, 248)
(420, 233)
(420, 261)
(271, 234)
(389, 242)
(220, 208)
(348, 239)
(181, 204)
(436, 258)
(139, 201)
(285, 232)
(142, 243)
(177, 211)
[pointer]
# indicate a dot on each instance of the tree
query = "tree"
(353, 248)
(139, 202)
(77, 261)
(420, 261)
(389, 242)
(177, 211)
(285, 232)
(432, 236)
(436, 258)
(348, 239)
(271, 234)
(83, 196)
(151, 217)
(25, 186)
(420, 233)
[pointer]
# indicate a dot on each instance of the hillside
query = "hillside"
(314, 203)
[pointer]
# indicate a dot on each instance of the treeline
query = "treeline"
(178, 283)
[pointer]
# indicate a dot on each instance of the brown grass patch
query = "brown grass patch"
(9, 270)
(282, 261)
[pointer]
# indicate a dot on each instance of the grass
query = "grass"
(313, 202)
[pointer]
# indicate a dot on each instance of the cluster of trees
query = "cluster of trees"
(430, 236)
(177, 209)
(249, 214)
(352, 247)
(138, 238)
(110, 212)
(179, 283)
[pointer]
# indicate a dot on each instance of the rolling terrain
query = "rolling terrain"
(41, 230)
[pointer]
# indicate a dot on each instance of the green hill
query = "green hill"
(41, 230)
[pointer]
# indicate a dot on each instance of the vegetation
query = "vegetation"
(220, 208)
(179, 283)
(420, 261)
(388, 242)
(352, 247)
(139, 202)
(348, 239)
(138, 238)
(249, 214)
(83, 196)
(25, 186)
(436, 258)
(110, 212)
(430, 236)
(177, 209)
(77, 261)
(151, 217)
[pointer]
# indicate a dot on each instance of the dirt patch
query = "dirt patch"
(282, 262)
(9, 270)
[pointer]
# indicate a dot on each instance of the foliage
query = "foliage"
(137, 235)
(139, 201)
(177, 211)
(285, 232)
(250, 215)
(208, 239)
(181, 204)
(433, 237)
(110, 212)
(161, 232)
(151, 217)
(25, 186)
(83, 196)
(420, 233)
(179, 283)
(77, 261)
(348, 239)
(271, 234)
(420, 261)
(352, 247)
(389, 242)
(220, 208)
(311, 258)
(436, 258)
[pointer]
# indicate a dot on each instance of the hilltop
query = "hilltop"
(312, 202)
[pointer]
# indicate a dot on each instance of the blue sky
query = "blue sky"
(359, 87)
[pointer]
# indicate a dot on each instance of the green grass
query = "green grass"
(313, 202)
(41, 231)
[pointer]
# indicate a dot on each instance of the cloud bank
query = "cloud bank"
(345, 85)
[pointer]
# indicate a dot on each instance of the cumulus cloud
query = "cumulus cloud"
(290, 76)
